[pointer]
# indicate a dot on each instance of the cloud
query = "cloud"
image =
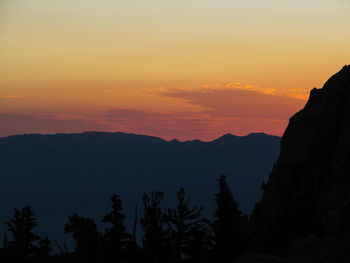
(12, 97)
(205, 112)
(240, 103)
(183, 125)
(109, 91)
(226, 85)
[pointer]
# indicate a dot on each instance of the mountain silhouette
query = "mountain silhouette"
(304, 213)
(62, 174)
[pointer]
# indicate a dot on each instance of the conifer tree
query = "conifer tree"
(200, 244)
(115, 238)
(229, 239)
(85, 235)
(24, 239)
(186, 227)
(4, 251)
(155, 240)
(45, 248)
(5, 241)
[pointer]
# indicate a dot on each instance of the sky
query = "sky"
(185, 69)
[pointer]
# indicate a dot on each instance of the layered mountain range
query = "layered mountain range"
(62, 174)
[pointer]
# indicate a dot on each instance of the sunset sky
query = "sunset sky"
(182, 69)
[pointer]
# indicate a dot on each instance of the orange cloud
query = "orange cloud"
(222, 85)
(109, 91)
(239, 103)
(12, 97)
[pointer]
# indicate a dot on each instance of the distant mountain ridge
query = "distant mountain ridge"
(126, 134)
(65, 173)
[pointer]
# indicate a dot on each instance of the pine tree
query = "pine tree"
(186, 227)
(155, 240)
(200, 244)
(85, 235)
(4, 251)
(229, 239)
(45, 247)
(5, 241)
(115, 238)
(21, 227)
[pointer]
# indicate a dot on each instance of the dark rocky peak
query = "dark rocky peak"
(314, 131)
(309, 187)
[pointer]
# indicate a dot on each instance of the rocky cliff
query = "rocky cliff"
(305, 208)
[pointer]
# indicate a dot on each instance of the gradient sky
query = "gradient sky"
(180, 69)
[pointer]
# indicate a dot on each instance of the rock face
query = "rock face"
(308, 192)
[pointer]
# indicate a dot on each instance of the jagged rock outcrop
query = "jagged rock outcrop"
(308, 192)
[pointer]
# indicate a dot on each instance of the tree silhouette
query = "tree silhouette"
(5, 241)
(186, 228)
(172, 235)
(4, 251)
(229, 239)
(155, 240)
(21, 228)
(115, 239)
(85, 235)
(44, 250)
(200, 244)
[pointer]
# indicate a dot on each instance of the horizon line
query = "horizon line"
(140, 134)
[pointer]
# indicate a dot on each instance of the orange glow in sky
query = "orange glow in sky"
(181, 69)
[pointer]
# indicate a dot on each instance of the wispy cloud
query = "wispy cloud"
(234, 101)
(206, 125)
(12, 96)
(228, 85)
(204, 112)
(109, 91)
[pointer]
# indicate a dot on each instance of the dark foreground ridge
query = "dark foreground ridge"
(304, 213)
